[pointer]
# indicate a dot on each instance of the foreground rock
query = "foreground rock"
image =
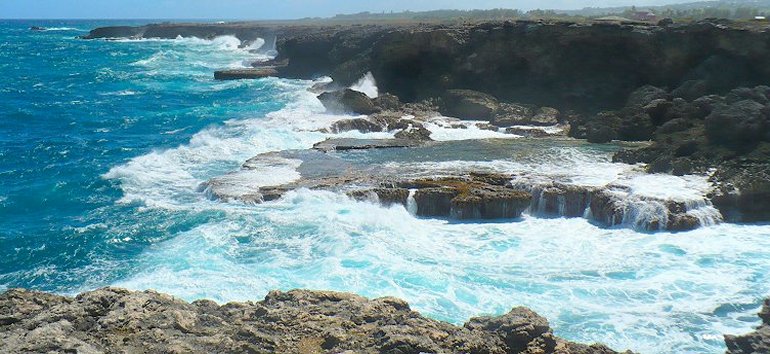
(241, 74)
(757, 342)
(113, 320)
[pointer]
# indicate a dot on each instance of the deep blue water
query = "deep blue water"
(72, 109)
(104, 146)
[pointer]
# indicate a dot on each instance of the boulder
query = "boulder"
(546, 116)
(416, 133)
(468, 104)
(744, 191)
(692, 89)
(739, 125)
(635, 125)
(348, 101)
(644, 95)
(509, 114)
(387, 102)
(603, 127)
(363, 125)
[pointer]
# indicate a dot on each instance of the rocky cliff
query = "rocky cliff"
(584, 67)
(115, 320)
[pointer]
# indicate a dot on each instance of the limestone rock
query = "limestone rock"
(113, 320)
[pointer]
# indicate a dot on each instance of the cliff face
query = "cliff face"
(114, 320)
(568, 66)
(584, 67)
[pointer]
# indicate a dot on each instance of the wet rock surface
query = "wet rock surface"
(342, 144)
(113, 320)
(756, 342)
(241, 74)
(722, 135)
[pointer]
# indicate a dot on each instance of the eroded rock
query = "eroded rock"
(299, 321)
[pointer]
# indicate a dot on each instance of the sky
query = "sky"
(267, 9)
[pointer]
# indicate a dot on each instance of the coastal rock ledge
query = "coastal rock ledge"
(113, 320)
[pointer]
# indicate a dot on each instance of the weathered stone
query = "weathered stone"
(644, 95)
(240, 74)
(348, 101)
(468, 104)
(740, 125)
(112, 320)
(546, 116)
(342, 144)
(509, 114)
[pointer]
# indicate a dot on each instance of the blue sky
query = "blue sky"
(266, 9)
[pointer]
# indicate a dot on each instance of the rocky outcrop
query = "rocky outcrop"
(757, 342)
(469, 104)
(586, 67)
(241, 74)
(343, 144)
(348, 101)
(113, 320)
(725, 133)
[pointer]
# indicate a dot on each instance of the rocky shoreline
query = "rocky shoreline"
(694, 90)
(113, 320)
(694, 94)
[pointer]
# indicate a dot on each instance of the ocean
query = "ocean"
(105, 145)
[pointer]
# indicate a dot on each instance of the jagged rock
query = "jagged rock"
(644, 95)
(385, 196)
(673, 126)
(692, 89)
(757, 342)
(740, 125)
(560, 199)
(348, 101)
(341, 144)
(603, 128)
(416, 133)
(387, 102)
(468, 104)
(240, 74)
(635, 125)
(509, 114)
(363, 125)
(657, 109)
(744, 191)
(528, 132)
(546, 116)
(472, 197)
(297, 321)
(611, 207)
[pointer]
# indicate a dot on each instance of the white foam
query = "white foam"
(170, 178)
(55, 29)
(447, 129)
(266, 171)
(615, 286)
(367, 85)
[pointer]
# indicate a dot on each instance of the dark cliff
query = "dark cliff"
(584, 67)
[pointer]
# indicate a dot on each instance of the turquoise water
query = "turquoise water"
(104, 146)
